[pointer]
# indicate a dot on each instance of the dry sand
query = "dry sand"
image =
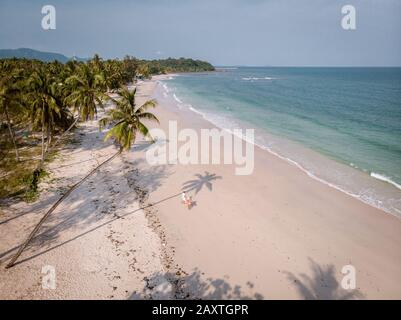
(274, 234)
(99, 242)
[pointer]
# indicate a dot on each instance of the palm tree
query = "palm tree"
(129, 67)
(127, 123)
(113, 75)
(205, 180)
(97, 63)
(9, 92)
(127, 119)
(47, 109)
(84, 90)
(143, 71)
(87, 92)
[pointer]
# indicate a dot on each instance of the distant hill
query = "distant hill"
(35, 54)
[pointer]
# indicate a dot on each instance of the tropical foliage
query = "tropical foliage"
(40, 102)
(39, 99)
(127, 119)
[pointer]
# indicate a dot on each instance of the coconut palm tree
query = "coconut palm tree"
(47, 109)
(126, 119)
(87, 89)
(143, 71)
(83, 91)
(9, 94)
(97, 63)
(129, 68)
(113, 75)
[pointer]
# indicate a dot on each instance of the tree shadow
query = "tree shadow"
(100, 158)
(202, 181)
(322, 284)
(93, 204)
(14, 214)
(183, 286)
(143, 176)
(142, 146)
(45, 234)
(88, 211)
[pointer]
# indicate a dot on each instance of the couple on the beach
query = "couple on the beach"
(186, 200)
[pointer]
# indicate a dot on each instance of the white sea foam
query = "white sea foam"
(364, 195)
(166, 89)
(385, 179)
(196, 111)
(226, 68)
(176, 98)
(223, 123)
(255, 78)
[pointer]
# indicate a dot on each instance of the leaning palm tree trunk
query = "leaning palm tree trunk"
(65, 132)
(35, 230)
(43, 139)
(48, 139)
(12, 134)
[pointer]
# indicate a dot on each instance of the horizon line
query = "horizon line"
(306, 66)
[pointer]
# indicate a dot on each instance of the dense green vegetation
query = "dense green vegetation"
(177, 65)
(152, 66)
(40, 102)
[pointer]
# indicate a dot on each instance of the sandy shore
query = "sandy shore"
(274, 234)
(99, 242)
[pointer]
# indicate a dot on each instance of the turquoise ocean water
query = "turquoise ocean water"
(341, 126)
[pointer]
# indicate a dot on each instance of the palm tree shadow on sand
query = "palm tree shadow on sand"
(200, 182)
(322, 284)
(169, 285)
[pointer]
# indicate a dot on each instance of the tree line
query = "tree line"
(45, 100)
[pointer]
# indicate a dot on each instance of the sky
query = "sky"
(223, 32)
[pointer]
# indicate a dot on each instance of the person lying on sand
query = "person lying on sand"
(186, 200)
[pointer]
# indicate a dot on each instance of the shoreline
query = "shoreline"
(377, 180)
(283, 199)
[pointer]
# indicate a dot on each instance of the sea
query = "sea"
(341, 126)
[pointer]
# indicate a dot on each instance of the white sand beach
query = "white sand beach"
(99, 241)
(124, 234)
